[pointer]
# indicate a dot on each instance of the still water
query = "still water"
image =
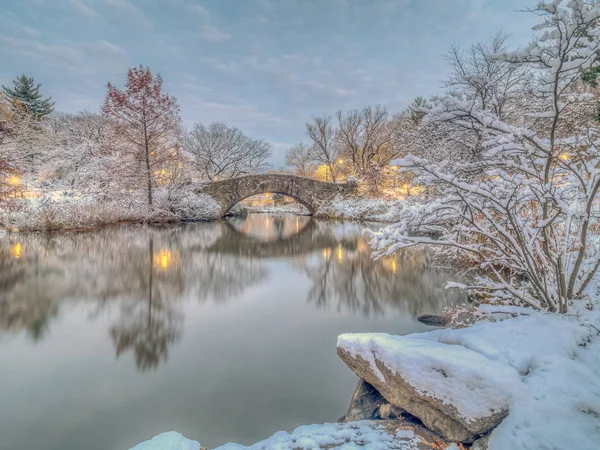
(224, 331)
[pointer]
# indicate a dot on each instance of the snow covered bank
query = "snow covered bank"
(364, 434)
(537, 376)
(359, 208)
(61, 211)
(293, 208)
(544, 368)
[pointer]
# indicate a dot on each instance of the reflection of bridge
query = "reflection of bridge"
(309, 239)
(311, 193)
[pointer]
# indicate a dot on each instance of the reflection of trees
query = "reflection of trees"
(25, 302)
(148, 325)
(350, 280)
(143, 273)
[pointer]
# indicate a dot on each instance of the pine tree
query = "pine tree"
(26, 94)
(416, 111)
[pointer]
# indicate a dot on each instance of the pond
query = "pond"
(224, 331)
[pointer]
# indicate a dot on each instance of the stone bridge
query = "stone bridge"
(311, 193)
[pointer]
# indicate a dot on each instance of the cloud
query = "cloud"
(213, 34)
(128, 12)
(242, 114)
(198, 9)
(83, 9)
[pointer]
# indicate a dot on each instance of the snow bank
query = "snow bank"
(549, 365)
(354, 435)
(293, 208)
(363, 209)
(168, 441)
(73, 211)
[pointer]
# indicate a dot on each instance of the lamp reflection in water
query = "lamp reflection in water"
(17, 250)
(163, 259)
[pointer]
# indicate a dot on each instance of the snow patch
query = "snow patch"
(168, 441)
(354, 435)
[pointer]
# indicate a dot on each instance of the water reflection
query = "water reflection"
(146, 273)
(236, 319)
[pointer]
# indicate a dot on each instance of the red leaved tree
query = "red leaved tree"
(149, 121)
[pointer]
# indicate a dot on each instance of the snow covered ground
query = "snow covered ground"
(378, 210)
(545, 366)
(364, 434)
(292, 208)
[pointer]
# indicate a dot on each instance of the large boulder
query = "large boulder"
(456, 392)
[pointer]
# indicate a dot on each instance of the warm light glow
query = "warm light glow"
(394, 268)
(163, 259)
(326, 253)
(394, 167)
(297, 225)
(417, 190)
(14, 181)
(16, 250)
(340, 161)
(216, 179)
(405, 186)
(340, 254)
(564, 156)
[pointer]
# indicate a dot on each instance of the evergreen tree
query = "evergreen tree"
(415, 110)
(26, 94)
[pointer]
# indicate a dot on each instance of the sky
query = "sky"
(265, 66)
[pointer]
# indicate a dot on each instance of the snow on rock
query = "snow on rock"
(544, 367)
(455, 391)
(168, 441)
(354, 435)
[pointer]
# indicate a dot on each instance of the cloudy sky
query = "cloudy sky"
(265, 66)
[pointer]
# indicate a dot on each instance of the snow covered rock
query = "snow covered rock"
(168, 441)
(456, 392)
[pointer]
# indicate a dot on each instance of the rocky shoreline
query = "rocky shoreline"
(519, 379)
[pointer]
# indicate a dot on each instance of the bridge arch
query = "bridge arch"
(312, 194)
(298, 199)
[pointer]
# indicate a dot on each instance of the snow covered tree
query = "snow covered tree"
(148, 120)
(21, 139)
(527, 218)
(25, 94)
(479, 76)
(83, 153)
(219, 151)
